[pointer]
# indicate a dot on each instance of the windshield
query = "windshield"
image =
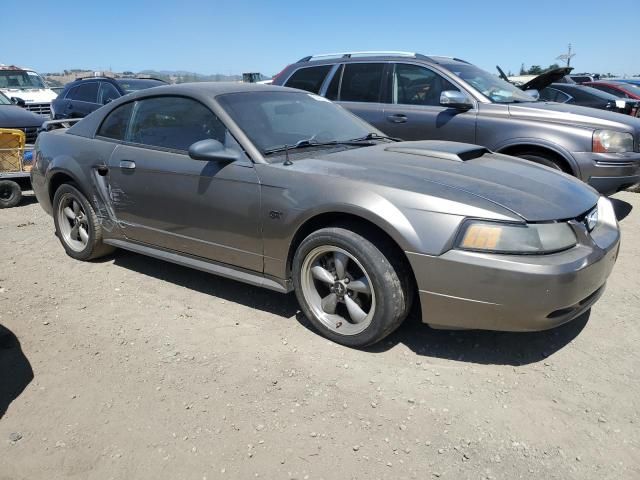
(632, 88)
(492, 87)
(274, 119)
(133, 85)
(4, 100)
(20, 79)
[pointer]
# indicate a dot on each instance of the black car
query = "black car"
(13, 116)
(84, 95)
(588, 97)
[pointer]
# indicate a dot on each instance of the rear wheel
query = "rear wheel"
(77, 225)
(347, 288)
(10, 194)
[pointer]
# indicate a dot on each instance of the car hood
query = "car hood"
(12, 116)
(573, 115)
(532, 192)
(31, 95)
(545, 79)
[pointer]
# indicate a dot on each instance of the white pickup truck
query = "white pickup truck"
(24, 84)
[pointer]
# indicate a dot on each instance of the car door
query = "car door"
(83, 100)
(164, 198)
(108, 93)
(415, 113)
(359, 88)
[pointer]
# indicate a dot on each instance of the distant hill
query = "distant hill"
(182, 76)
(170, 76)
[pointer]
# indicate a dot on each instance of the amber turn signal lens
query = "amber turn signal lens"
(482, 237)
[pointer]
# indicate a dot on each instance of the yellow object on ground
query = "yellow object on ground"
(12, 144)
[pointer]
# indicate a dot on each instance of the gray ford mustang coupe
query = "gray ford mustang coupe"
(283, 189)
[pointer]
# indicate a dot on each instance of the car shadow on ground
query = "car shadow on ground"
(15, 369)
(622, 208)
(482, 346)
(476, 346)
(27, 199)
(226, 289)
(473, 346)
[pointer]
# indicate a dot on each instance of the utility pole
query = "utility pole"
(566, 56)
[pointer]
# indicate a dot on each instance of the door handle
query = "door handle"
(127, 164)
(397, 118)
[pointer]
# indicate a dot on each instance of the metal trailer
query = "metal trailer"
(15, 165)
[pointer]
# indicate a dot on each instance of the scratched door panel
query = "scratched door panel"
(206, 209)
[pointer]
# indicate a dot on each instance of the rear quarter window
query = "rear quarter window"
(116, 123)
(309, 78)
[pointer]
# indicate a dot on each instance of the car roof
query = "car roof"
(210, 89)
(585, 89)
(368, 57)
(204, 91)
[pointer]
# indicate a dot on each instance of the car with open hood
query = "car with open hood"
(424, 97)
(286, 190)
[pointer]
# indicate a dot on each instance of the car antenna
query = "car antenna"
(287, 161)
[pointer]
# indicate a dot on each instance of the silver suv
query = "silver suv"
(417, 97)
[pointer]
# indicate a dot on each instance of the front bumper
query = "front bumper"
(472, 290)
(609, 172)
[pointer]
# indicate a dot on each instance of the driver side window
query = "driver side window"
(174, 123)
(415, 85)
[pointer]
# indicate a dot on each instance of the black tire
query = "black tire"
(390, 284)
(543, 160)
(94, 247)
(10, 194)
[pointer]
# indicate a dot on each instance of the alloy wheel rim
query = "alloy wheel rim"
(73, 223)
(338, 290)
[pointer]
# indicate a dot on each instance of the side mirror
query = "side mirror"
(455, 99)
(533, 93)
(212, 151)
(18, 101)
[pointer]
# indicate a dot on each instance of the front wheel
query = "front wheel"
(348, 288)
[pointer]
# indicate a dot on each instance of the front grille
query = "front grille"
(31, 134)
(39, 108)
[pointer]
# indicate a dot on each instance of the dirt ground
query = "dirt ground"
(131, 368)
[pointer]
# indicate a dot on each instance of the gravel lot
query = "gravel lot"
(134, 368)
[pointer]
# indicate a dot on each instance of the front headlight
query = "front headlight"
(610, 141)
(534, 238)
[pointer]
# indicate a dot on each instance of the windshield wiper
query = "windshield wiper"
(311, 143)
(375, 136)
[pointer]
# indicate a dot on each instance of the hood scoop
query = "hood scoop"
(459, 152)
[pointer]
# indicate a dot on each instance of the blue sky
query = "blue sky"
(240, 36)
